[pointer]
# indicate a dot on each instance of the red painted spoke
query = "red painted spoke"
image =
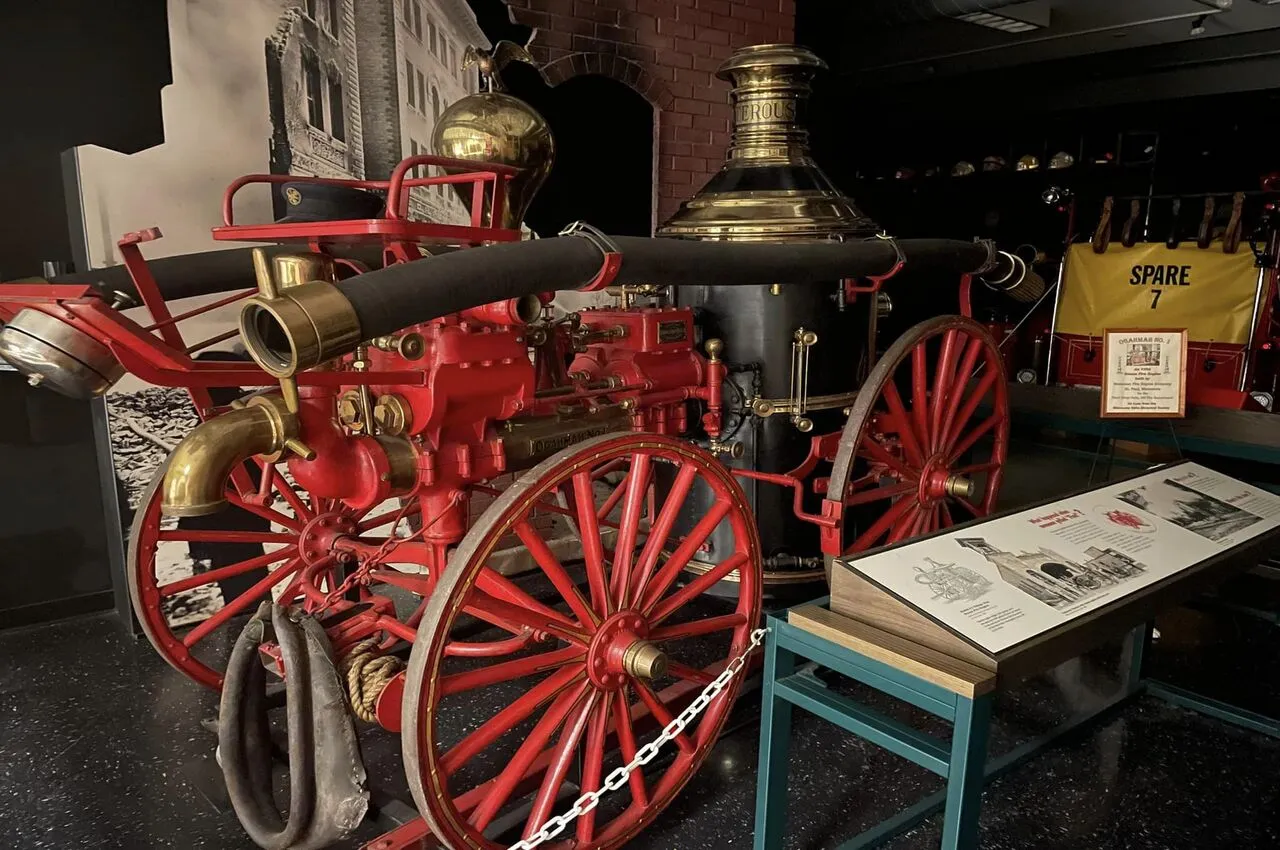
(919, 393)
(942, 384)
(561, 759)
(629, 528)
(963, 376)
(877, 529)
(902, 422)
(266, 513)
(689, 674)
(507, 719)
(592, 546)
(693, 628)
(697, 587)
(946, 520)
(520, 762)
(386, 517)
(680, 557)
(627, 744)
(238, 568)
(975, 467)
(499, 586)
(193, 535)
(419, 583)
(541, 618)
(877, 493)
(871, 447)
(661, 530)
(970, 406)
(506, 671)
(902, 528)
(593, 763)
(251, 596)
(973, 436)
(661, 713)
(290, 497)
(967, 505)
(551, 567)
(616, 496)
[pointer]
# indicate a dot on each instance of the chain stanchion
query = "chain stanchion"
(618, 778)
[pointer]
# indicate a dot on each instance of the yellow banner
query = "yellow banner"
(1151, 286)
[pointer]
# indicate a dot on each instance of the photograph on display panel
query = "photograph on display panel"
(328, 88)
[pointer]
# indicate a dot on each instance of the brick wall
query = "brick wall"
(668, 51)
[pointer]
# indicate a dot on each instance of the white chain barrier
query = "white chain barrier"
(645, 754)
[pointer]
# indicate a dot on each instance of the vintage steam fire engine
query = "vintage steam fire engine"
(660, 465)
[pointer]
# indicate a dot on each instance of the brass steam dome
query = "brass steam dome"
(492, 126)
(769, 188)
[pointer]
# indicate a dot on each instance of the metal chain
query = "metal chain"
(645, 754)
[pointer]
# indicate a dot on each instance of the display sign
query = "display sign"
(1144, 373)
(1209, 293)
(1002, 582)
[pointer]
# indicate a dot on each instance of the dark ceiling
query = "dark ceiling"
(859, 40)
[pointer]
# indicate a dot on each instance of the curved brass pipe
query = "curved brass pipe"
(195, 482)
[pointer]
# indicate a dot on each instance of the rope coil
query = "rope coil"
(366, 673)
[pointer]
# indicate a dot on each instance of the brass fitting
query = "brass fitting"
(392, 414)
(644, 660)
(402, 463)
(300, 328)
(195, 480)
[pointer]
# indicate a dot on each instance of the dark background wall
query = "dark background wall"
(76, 72)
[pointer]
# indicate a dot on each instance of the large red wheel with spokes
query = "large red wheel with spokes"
(926, 440)
(496, 742)
(194, 582)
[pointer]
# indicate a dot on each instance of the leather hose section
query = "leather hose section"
(402, 295)
(327, 798)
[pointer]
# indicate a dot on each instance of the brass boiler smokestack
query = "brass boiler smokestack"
(769, 188)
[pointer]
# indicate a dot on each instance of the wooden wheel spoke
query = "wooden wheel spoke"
(511, 611)
(695, 588)
(905, 429)
(972, 468)
(627, 745)
(661, 531)
(629, 528)
(969, 408)
(919, 393)
(945, 515)
(973, 436)
(265, 512)
(195, 535)
(942, 387)
(706, 626)
(221, 573)
(689, 674)
(875, 494)
(611, 501)
(553, 570)
(684, 552)
(528, 751)
(661, 713)
(507, 719)
(251, 596)
(593, 763)
(903, 528)
(289, 495)
(592, 545)
(561, 759)
(877, 452)
(964, 375)
(967, 505)
(882, 525)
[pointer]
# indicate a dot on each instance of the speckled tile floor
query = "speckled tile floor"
(101, 747)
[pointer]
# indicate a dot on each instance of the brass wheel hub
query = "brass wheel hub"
(619, 650)
(938, 482)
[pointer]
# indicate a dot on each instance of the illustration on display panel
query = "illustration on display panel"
(330, 88)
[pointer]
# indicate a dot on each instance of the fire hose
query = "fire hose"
(328, 798)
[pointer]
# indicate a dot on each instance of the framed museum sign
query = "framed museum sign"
(1144, 373)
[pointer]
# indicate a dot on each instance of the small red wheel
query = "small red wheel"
(593, 688)
(195, 581)
(907, 447)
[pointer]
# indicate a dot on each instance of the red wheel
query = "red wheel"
(905, 456)
(195, 581)
(591, 689)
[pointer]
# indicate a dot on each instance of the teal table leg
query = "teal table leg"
(965, 779)
(775, 746)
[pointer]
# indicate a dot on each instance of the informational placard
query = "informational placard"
(1144, 373)
(1010, 579)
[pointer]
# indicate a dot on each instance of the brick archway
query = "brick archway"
(614, 67)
